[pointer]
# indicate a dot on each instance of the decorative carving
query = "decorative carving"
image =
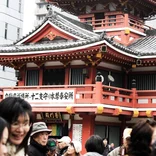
(51, 35)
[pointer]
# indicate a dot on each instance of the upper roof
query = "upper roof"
(77, 7)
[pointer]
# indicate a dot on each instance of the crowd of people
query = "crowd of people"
(20, 136)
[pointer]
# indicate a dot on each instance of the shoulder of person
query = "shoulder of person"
(114, 152)
(12, 150)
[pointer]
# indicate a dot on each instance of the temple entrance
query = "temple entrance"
(53, 76)
(112, 133)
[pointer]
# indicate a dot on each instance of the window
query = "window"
(7, 3)
(20, 6)
(32, 78)
(3, 68)
(77, 76)
(112, 20)
(18, 33)
(6, 30)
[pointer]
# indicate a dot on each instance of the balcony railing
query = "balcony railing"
(119, 21)
(98, 94)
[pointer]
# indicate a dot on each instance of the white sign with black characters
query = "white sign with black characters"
(77, 132)
(43, 95)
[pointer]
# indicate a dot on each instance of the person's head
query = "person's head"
(105, 141)
(74, 148)
(126, 136)
(94, 144)
(140, 140)
(63, 142)
(18, 113)
(112, 145)
(3, 136)
(51, 146)
(40, 133)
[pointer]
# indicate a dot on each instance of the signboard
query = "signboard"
(66, 95)
(77, 132)
(52, 116)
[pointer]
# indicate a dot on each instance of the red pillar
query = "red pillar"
(41, 76)
(98, 92)
(23, 76)
(87, 129)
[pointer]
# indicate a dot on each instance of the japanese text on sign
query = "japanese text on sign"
(42, 95)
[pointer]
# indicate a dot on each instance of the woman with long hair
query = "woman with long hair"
(3, 136)
(18, 113)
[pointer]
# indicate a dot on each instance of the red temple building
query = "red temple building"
(93, 76)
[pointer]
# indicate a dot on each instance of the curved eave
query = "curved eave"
(38, 51)
(41, 50)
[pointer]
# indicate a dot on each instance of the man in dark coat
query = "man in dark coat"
(38, 140)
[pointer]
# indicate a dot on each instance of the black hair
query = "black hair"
(11, 108)
(140, 139)
(94, 144)
(3, 125)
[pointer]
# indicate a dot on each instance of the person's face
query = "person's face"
(112, 145)
(3, 148)
(42, 138)
(19, 129)
(105, 142)
(70, 149)
(61, 145)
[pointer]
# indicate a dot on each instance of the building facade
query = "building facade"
(82, 82)
(41, 11)
(11, 21)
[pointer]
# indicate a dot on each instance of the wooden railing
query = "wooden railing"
(100, 94)
(120, 21)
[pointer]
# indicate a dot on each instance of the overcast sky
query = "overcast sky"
(29, 17)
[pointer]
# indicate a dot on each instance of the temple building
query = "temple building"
(93, 76)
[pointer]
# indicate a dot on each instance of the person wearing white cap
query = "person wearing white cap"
(74, 149)
(122, 150)
(39, 139)
(63, 144)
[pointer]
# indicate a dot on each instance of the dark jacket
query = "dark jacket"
(35, 149)
(106, 150)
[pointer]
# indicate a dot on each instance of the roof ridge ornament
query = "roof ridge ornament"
(103, 35)
(50, 10)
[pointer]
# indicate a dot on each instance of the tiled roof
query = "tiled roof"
(69, 25)
(55, 47)
(46, 46)
(144, 46)
(151, 32)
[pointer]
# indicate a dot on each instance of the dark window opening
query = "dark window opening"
(98, 19)
(6, 30)
(77, 76)
(3, 68)
(32, 78)
(54, 77)
(7, 3)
